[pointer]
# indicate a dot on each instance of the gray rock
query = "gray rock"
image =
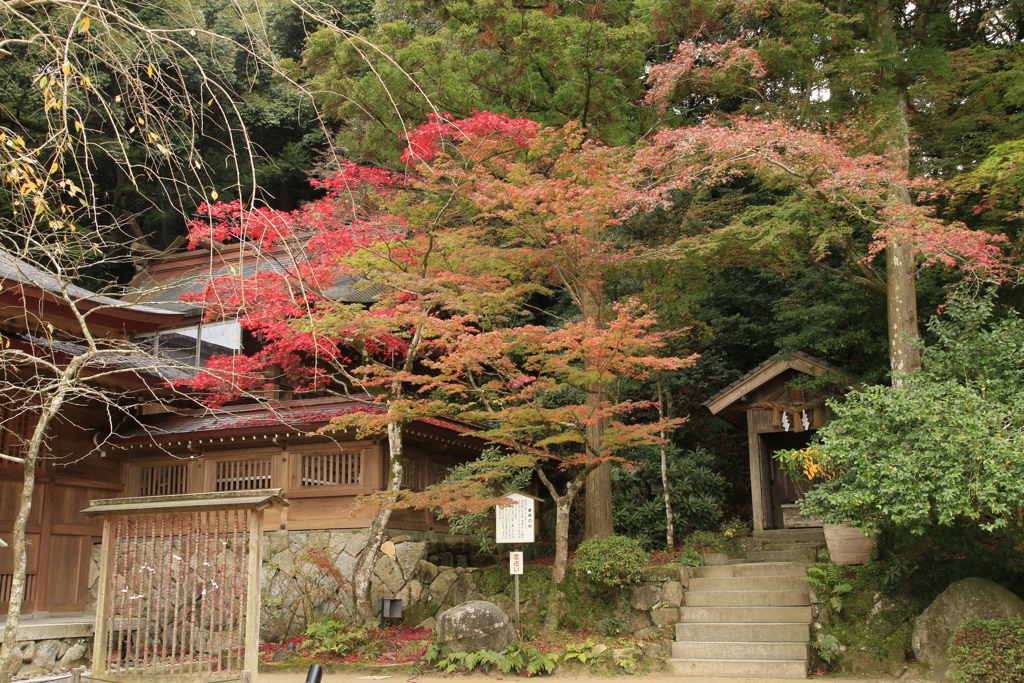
(426, 572)
(442, 584)
(275, 542)
(28, 651)
(644, 597)
(429, 622)
(463, 591)
(46, 654)
(972, 598)
(408, 556)
(665, 615)
(387, 571)
(639, 621)
(672, 593)
(74, 655)
(346, 564)
(474, 625)
(356, 545)
(648, 632)
(657, 573)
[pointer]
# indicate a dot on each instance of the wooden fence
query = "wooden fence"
(179, 584)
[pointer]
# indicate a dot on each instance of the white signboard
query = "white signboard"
(515, 563)
(515, 522)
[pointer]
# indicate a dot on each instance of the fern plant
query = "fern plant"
(829, 582)
(517, 658)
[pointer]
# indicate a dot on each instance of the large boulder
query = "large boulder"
(962, 601)
(474, 625)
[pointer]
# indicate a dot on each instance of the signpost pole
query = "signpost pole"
(519, 631)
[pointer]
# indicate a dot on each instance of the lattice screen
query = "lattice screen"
(243, 475)
(329, 469)
(163, 480)
(177, 594)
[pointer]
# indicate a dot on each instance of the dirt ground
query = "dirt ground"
(404, 677)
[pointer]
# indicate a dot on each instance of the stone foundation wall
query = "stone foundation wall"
(302, 570)
(42, 656)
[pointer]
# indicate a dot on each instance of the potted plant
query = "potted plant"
(847, 544)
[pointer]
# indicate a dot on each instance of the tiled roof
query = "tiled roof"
(16, 270)
(303, 416)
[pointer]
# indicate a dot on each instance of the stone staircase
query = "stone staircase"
(750, 616)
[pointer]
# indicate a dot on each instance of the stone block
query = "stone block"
(46, 654)
(659, 573)
(428, 623)
(472, 626)
(644, 597)
(75, 655)
(28, 650)
(357, 543)
(426, 572)
(672, 593)
(665, 615)
(408, 556)
(442, 584)
(639, 620)
(388, 548)
(648, 632)
(387, 571)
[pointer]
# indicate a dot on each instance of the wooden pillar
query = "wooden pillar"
(103, 597)
(754, 448)
(252, 602)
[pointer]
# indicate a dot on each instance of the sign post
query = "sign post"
(515, 567)
(515, 524)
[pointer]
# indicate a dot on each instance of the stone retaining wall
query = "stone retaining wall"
(42, 656)
(302, 571)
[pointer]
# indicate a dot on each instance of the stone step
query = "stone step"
(740, 650)
(745, 615)
(751, 569)
(751, 633)
(805, 555)
(748, 583)
(790, 534)
(792, 545)
(761, 598)
(796, 668)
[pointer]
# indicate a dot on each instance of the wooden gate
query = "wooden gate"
(179, 584)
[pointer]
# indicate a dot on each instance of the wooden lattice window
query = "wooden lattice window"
(7, 582)
(163, 480)
(332, 469)
(438, 472)
(243, 475)
(411, 475)
(15, 431)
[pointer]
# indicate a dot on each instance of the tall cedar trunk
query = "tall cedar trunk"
(363, 610)
(598, 522)
(901, 285)
(563, 506)
(597, 506)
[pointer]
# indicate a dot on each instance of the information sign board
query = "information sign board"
(515, 522)
(515, 562)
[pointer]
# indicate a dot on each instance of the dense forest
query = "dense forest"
(835, 177)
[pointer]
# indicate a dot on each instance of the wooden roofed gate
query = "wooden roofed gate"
(179, 585)
(775, 417)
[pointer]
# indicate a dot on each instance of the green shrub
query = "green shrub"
(613, 561)
(988, 651)
(334, 637)
(690, 558)
(612, 626)
(698, 490)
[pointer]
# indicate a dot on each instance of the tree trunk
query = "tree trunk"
(7, 659)
(362, 609)
(597, 505)
(670, 540)
(563, 505)
(901, 284)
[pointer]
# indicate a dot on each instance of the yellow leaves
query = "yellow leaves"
(78, 126)
(66, 69)
(141, 120)
(117, 98)
(150, 70)
(83, 25)
(214, 195)
(210, 103)
(55, 167)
